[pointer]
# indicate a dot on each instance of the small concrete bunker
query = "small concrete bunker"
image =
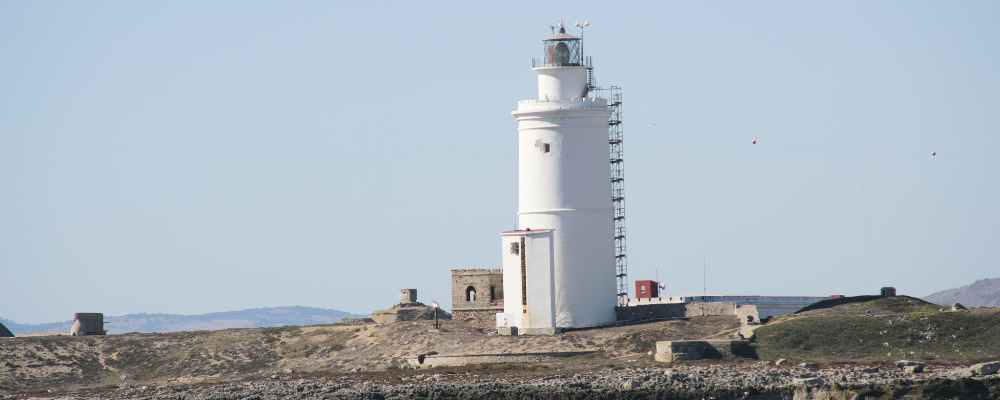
(458, 360)
(88, 324)
(686, 350)
(4, 332)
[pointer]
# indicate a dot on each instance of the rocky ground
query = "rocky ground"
(733, 380)
(63, 362)
(856, 347)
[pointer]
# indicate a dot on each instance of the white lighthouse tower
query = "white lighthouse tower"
(559, 264)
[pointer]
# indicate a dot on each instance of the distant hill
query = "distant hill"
(251, 318)
(982, 293)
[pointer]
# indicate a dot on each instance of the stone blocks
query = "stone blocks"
(407, 296)
(476, 293)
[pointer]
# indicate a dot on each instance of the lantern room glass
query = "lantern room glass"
(563, 51)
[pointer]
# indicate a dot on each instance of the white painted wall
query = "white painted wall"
(561, 82)
(539, 313)
(567, 190)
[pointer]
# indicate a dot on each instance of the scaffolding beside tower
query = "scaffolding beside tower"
(618, 190)
(613, 94)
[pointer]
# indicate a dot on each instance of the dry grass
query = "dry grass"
(883, 330)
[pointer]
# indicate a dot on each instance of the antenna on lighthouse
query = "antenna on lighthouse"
(582, 25)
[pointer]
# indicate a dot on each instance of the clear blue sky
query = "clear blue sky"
(189, 157)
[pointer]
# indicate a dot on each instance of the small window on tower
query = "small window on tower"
(546, 148)
(515, 248)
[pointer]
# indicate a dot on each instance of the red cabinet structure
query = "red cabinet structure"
(647, 289)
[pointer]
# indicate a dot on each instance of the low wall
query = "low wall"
(651, 312)
(681, 350)
(474, 359)
(659, 311)
(698, 309)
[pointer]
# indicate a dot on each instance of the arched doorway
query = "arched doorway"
(470, 294)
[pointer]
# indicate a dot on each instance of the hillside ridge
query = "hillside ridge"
(262, 317)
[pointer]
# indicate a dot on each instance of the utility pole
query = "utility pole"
(704, 283)
(704, 276)
(435, 305)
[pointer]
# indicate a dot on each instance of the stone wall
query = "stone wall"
(681, 350)
(481, 314)
(487, 285)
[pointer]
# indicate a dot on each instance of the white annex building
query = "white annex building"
(559, 266)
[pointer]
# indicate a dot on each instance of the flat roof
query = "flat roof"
(520, 232)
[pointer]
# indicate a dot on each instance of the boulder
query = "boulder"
(808, 381)
(809, 366)
(914, 369)
(986, 368)
(957, 307)
(780, 362)
(4, 332)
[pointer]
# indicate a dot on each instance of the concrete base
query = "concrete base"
(507, 331)
(475, 359)
(539, 331)
(515, 331)
(680, 350)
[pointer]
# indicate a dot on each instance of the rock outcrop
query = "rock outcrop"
(986, 368)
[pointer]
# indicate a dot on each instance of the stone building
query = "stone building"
(476, 293)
